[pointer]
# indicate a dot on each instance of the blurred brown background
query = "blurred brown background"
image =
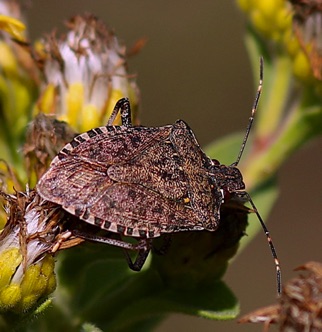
(195, 67)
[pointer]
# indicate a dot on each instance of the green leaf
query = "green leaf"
(87, 327)
(225, 149)
(105, 292)
(212, 301)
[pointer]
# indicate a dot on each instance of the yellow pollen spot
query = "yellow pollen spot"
(186, 200)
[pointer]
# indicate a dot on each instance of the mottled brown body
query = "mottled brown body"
(139, 181)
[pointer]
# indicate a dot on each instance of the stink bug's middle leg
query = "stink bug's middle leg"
(122, 106)
(143, 247)
(139, 260)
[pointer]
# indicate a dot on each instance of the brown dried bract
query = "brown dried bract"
(267, 315)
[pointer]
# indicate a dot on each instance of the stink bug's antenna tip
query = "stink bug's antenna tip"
(254, 109)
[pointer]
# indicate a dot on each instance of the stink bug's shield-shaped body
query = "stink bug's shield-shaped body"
(141, 182)
(136, 181)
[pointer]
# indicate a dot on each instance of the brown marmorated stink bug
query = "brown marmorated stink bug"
(143, 182)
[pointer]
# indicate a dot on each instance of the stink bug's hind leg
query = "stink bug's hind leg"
(122, 106)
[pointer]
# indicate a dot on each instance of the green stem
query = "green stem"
(277, 79)
(302, 125)
(279, 84)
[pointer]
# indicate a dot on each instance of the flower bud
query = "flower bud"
(26, 265)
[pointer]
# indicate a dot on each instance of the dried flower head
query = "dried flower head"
(300, 306)
(85, 73)
(26, 244)
(44, 139)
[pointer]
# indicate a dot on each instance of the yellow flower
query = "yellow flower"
(12, 26)
(295, 28)
(271, 18)
(17, 90)
(307, 26)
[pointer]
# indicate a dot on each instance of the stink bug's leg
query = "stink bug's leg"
(123, 105)
(244, 195)
(143, 246)
(251, 119)
(140, 259)
(107, 240)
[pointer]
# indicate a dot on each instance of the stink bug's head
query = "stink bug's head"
(228, 178)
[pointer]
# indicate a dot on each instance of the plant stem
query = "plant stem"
(300, 127)
(270, 114)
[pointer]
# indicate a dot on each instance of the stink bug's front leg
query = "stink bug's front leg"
(143, 247)
(123, 105)
(244, 196)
